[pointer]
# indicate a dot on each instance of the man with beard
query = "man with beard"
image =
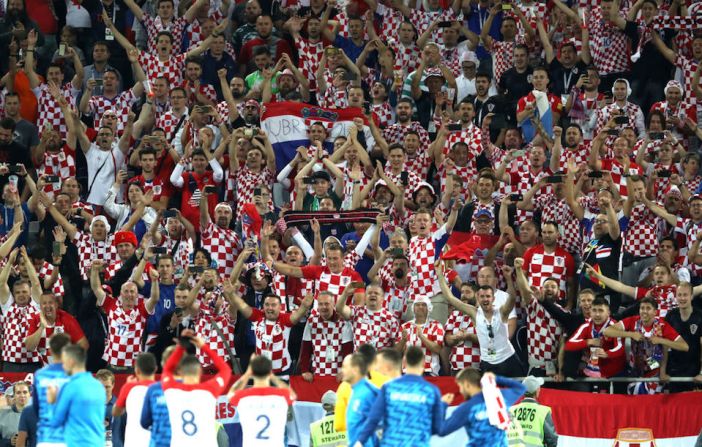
(621, 107)
(687, 321)
(565, 67)
(287, 81)
(483, 102)
(543, 331)
(214, 61)
(675, 109)
(12, 154)
(271, 327)
(53, 157)
(460, 336)
(264, 37)
(395, 280)
(354, 43)
(516, 82)
(217, 238)
(371, 322)
(258, 169)
(197, 92)
(25, 133)
(51, 320)
(575, 149)
(247, 31)
(395, 171)
(310, 49)
(585, 102)
(234, 97)
(194, 184)
(484, 200)
(395, 133)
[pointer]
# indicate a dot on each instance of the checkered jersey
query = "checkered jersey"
(503, 56)
(540, 266)
(664, 296)
(15, 326)
(334, 98)
(413, 181)
(379, 328)
(396, 298)
(62, 164)
(182, 253)
(631, 110)
(50, 114)
(154, 25)
(466, 354)
(224, 246)
(113, 268)
(423, 19)
(310, 53)
(168, 121)
(580, 156)
(125, 331)
(687, 229)
(206, 90)
(694, 183)
(327, 337)
(326, 281)
(194, 30)
(422, 256)
(522, 178)
(420, 164)
(609, 46)
(396, 134)
(384, 112)
(616, 170)
(121, 104)
(172, 69)
(205, 328)
(543, 333)
(452, 59)
(272, 338)
(434, 331)
(279, 287)
(343, 19)
(557, 210)
(407, 57)
(640, 236)
(241, 185)
(688, 66)
(661, 184)
(89, 249)
(46, 270)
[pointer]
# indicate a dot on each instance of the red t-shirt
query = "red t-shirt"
(64, 323)
(667, 330)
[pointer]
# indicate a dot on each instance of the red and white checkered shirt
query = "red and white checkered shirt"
(327, 337)
(326, 281)
(503, 56)
(467, 173)
(310, 54)
(50, 114)
(204, 327)
(522, 178)
(168, 121)
(609, 46)
(121, 104)
(631, 110)
(423, 19)
(688, 229)
(334, 98)
(420, 163)
(580, 156)
(640, 238)
(422, 256)
(432, 330)
(664, 296)
(46, 271)
(413, 181)
(466, 354)
(407, 57)
(688, 66)
(62, 164)
(125, 331)
(15, 327)
(241, 185)
(543, 334)
(540, 266)
(172, 69)
(223, 244)
(272, 338)
(290, 301)
(206, 90)
(154, 25)
(396, 134)
(379, 328)
(90, 249)
(182, 253)
(618, 173)
(384, 112)
(396, 298)
(557, 210)
(194, 30)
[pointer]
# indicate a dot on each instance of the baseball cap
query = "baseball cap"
(287, 72)
(483, 213)
(532, 383)
(329, 398)
(252, 103)
(433, 72)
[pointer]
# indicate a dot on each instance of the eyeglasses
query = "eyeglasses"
(491, 334)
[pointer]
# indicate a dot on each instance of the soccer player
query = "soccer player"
(50, 375)
(354, 370)
(409, 407)
(263, 408)
(471, 414)
(80, 406)
(154, 412)
(131, 400)
(191, 404)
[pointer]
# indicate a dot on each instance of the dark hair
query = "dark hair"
(414, 356)
(205, 252)
(75, 352)
(158, 3)
(261, 367)
(7, 124)
(653, 113)
(194, 60)
(483, 74)
(189, 365)
(261, 50)
(549, 222)
(198, 153)
(396, 146)
(600, 301)
(57, 342)
(11, 94)
(671, 240)
(147, 151)
(403, 100)
(469, 375)
(164, 257)
(521, 46)
(649, 300)
(391, 356)
(580, 130)
(55, 65)
(368, 351)
(569, 43)
(486, 287)
(146, 362)
(165, 33)
(541, 68)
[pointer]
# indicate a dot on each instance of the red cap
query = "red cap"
(125, 236)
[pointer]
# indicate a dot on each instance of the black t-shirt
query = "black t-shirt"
(562, 79)
(685, 363)
(515, 84)
(13, 154)
(603, 253)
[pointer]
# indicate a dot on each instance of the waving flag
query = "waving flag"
(542, 114)
(285, 125)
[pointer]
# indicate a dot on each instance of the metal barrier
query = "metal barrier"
(613, 380)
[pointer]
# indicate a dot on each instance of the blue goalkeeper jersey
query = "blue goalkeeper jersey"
(472, 415)
(363, 395)
(410, 410)
(154, 416)
(50, 375)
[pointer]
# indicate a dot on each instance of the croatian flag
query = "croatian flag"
(542, 114)
(286, 124)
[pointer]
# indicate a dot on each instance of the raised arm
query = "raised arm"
(123, 41)
(304, 307)
(136, 10)
(5, 276)
(151, 303)
(670, 55)
(450, 297)
(611, 283)
(95, 284)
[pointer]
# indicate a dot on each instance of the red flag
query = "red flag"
(251, 221)
(594, 278)
(465, 250)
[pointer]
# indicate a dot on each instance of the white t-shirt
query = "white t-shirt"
(263, 414)
(495, 349)
(102, 179)
(135, 435)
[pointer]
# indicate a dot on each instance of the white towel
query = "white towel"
(495, 403)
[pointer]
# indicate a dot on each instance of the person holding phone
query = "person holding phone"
(621, 107)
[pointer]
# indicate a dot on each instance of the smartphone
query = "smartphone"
(621, 119)
(554, 179)
(506, 7)
(196, 269)
(404, 178)
(454, 127)
(167, 214)
(52, 178)
(595, 174)
(656, 135)
(366, 107)
(98, 83)
(257, 191)
(62, 49)
(56, 249)
(159, 250)
(178, 312)
(357, 284)
(308, 181)
(250, 132)
(516, 197)
(612, 132)
(397, 252)
(444, 24)
(14, 169)
(250, 243)
(664, 173)
(210, 189)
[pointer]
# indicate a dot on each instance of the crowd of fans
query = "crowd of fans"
(520, 193)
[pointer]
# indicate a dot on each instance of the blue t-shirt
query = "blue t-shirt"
(363, 397)
(472, 415)
(28, 423)
(410, 410)
(154, 416)
(80, 410)
(166, 304)
(52, 374)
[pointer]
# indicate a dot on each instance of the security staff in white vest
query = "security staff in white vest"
(532, 424)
